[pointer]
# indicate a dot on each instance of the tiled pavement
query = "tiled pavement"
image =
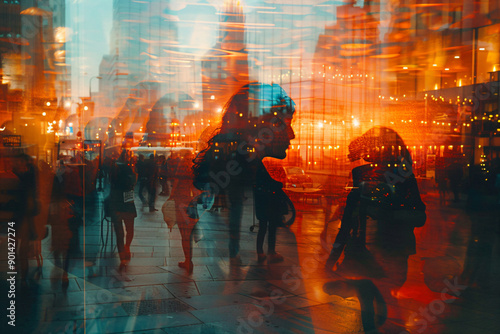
(160, 297)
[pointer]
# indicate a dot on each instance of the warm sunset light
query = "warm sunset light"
(249, 166)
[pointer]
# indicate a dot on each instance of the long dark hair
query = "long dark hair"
(242, 118)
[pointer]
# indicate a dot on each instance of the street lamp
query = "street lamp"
(90, 85)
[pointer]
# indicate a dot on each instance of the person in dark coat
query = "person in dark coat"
(163, 176)
(140, 169)
(385, 190)
(27, 207)
(122, 207)
(270, 207)
(151, 175)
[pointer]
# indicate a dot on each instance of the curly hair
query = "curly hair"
(379, 144)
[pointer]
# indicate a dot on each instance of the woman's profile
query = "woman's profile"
(256, 124)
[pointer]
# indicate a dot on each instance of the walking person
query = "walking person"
(26, 208)
(163, 176)
(256, 123)
(122, 207)
(270, 207)
(140, 169)
(151, 175)
(183, 194)
(386, 190)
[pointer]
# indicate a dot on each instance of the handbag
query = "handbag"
(192, 209)
(168, 211)
(197, 233)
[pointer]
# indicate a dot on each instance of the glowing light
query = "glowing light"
(47, 104)
(212, 97)
(44, 114)
(457, 57)
(355, 122)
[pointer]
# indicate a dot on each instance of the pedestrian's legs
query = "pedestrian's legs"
(187, 247)
(186, 227)
(261, 236)
(129, 227)
(234, 229)
(118, 226)
(142, 185)
(271, 238)
(152, 195)
(339, 244)
(22, 237)
(235, 194)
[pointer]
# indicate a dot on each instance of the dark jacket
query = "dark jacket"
(386, 194)
(270, 199)
(122, 181)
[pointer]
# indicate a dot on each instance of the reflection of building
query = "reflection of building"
(144, 47)
(10, 38)
(409, 67)
(145, 52)
(32, 48)
(225, 67)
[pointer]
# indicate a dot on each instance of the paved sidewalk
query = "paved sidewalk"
(156, 296)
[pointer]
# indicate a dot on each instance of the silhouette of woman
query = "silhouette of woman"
(122, 207)
(386, 190)
(182, 194)
(256, 124)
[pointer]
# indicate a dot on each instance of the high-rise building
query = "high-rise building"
(224, 68)
(145, 64)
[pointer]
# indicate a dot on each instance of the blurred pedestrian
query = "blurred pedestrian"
(183, 194)
(386, 190)
(140, 169)
(27, 207)
(122, 207)
(151, 174)
(163, 176)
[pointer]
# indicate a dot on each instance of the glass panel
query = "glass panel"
(336, 164)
